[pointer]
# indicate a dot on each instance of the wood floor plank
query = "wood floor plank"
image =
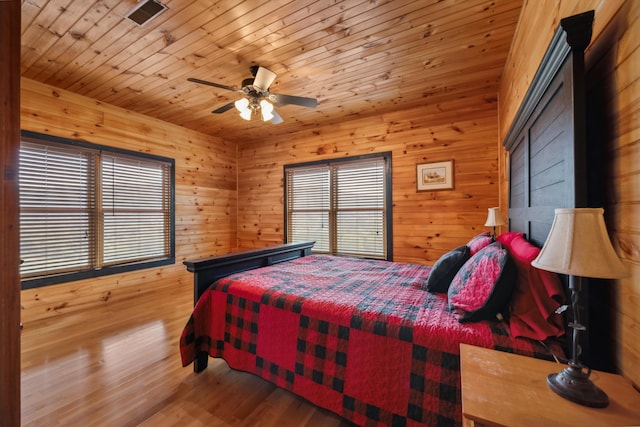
(120, 366)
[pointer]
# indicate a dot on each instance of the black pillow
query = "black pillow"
(445, 269)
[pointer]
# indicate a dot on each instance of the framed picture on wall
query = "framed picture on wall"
(434, 176)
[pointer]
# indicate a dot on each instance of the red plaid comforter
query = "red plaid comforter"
(358, 337)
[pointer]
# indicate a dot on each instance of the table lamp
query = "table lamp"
(494, 218)
(578, 245)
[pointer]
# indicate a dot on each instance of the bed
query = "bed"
(377, 342)
(363, 338)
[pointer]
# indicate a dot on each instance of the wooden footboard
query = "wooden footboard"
(208, 270)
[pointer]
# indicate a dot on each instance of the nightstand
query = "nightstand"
(504, 389)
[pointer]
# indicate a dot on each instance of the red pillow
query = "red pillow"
(507, 237)
(478, 242)
(481, 289)
(537, 294)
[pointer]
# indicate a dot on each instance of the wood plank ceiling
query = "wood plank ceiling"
(357, 57)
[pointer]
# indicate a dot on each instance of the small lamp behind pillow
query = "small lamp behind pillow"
(494, 218)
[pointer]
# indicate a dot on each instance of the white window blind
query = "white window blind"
(358, 197)
(84, 209)
(309, 202)
(342, 205)
(135, 209)
(57, 209)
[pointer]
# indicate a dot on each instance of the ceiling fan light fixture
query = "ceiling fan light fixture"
(267, 110)
(257, 96)
(242, 105)
(246, 114)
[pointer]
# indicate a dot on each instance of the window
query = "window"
(88, 210)
(344, 205)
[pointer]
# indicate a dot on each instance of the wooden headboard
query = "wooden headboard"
(547, 142)
(547, 139)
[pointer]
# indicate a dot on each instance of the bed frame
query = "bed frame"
(547, 140)
(208, 270)
(547, 143)
(551, 120)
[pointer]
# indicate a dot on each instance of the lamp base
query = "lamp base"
(574, 384)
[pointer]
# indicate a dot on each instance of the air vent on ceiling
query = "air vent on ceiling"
(145, 10)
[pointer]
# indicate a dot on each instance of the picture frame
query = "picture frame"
(434, 176)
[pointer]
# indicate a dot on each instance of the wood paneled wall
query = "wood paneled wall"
(425, 224)
(206, 193)
(613, 75)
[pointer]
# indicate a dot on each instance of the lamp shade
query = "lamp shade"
(494, 218)
(578, 244)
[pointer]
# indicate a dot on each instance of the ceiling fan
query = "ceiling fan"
(257, 97)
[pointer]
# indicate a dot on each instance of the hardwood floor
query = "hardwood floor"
(120, 366)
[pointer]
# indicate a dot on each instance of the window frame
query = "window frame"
(57, 278)
(388, 196)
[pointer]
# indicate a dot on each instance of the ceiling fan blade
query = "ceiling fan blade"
(295, 100)
(276, 118)
(264, 78)
(224, 108)
(204, 82)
